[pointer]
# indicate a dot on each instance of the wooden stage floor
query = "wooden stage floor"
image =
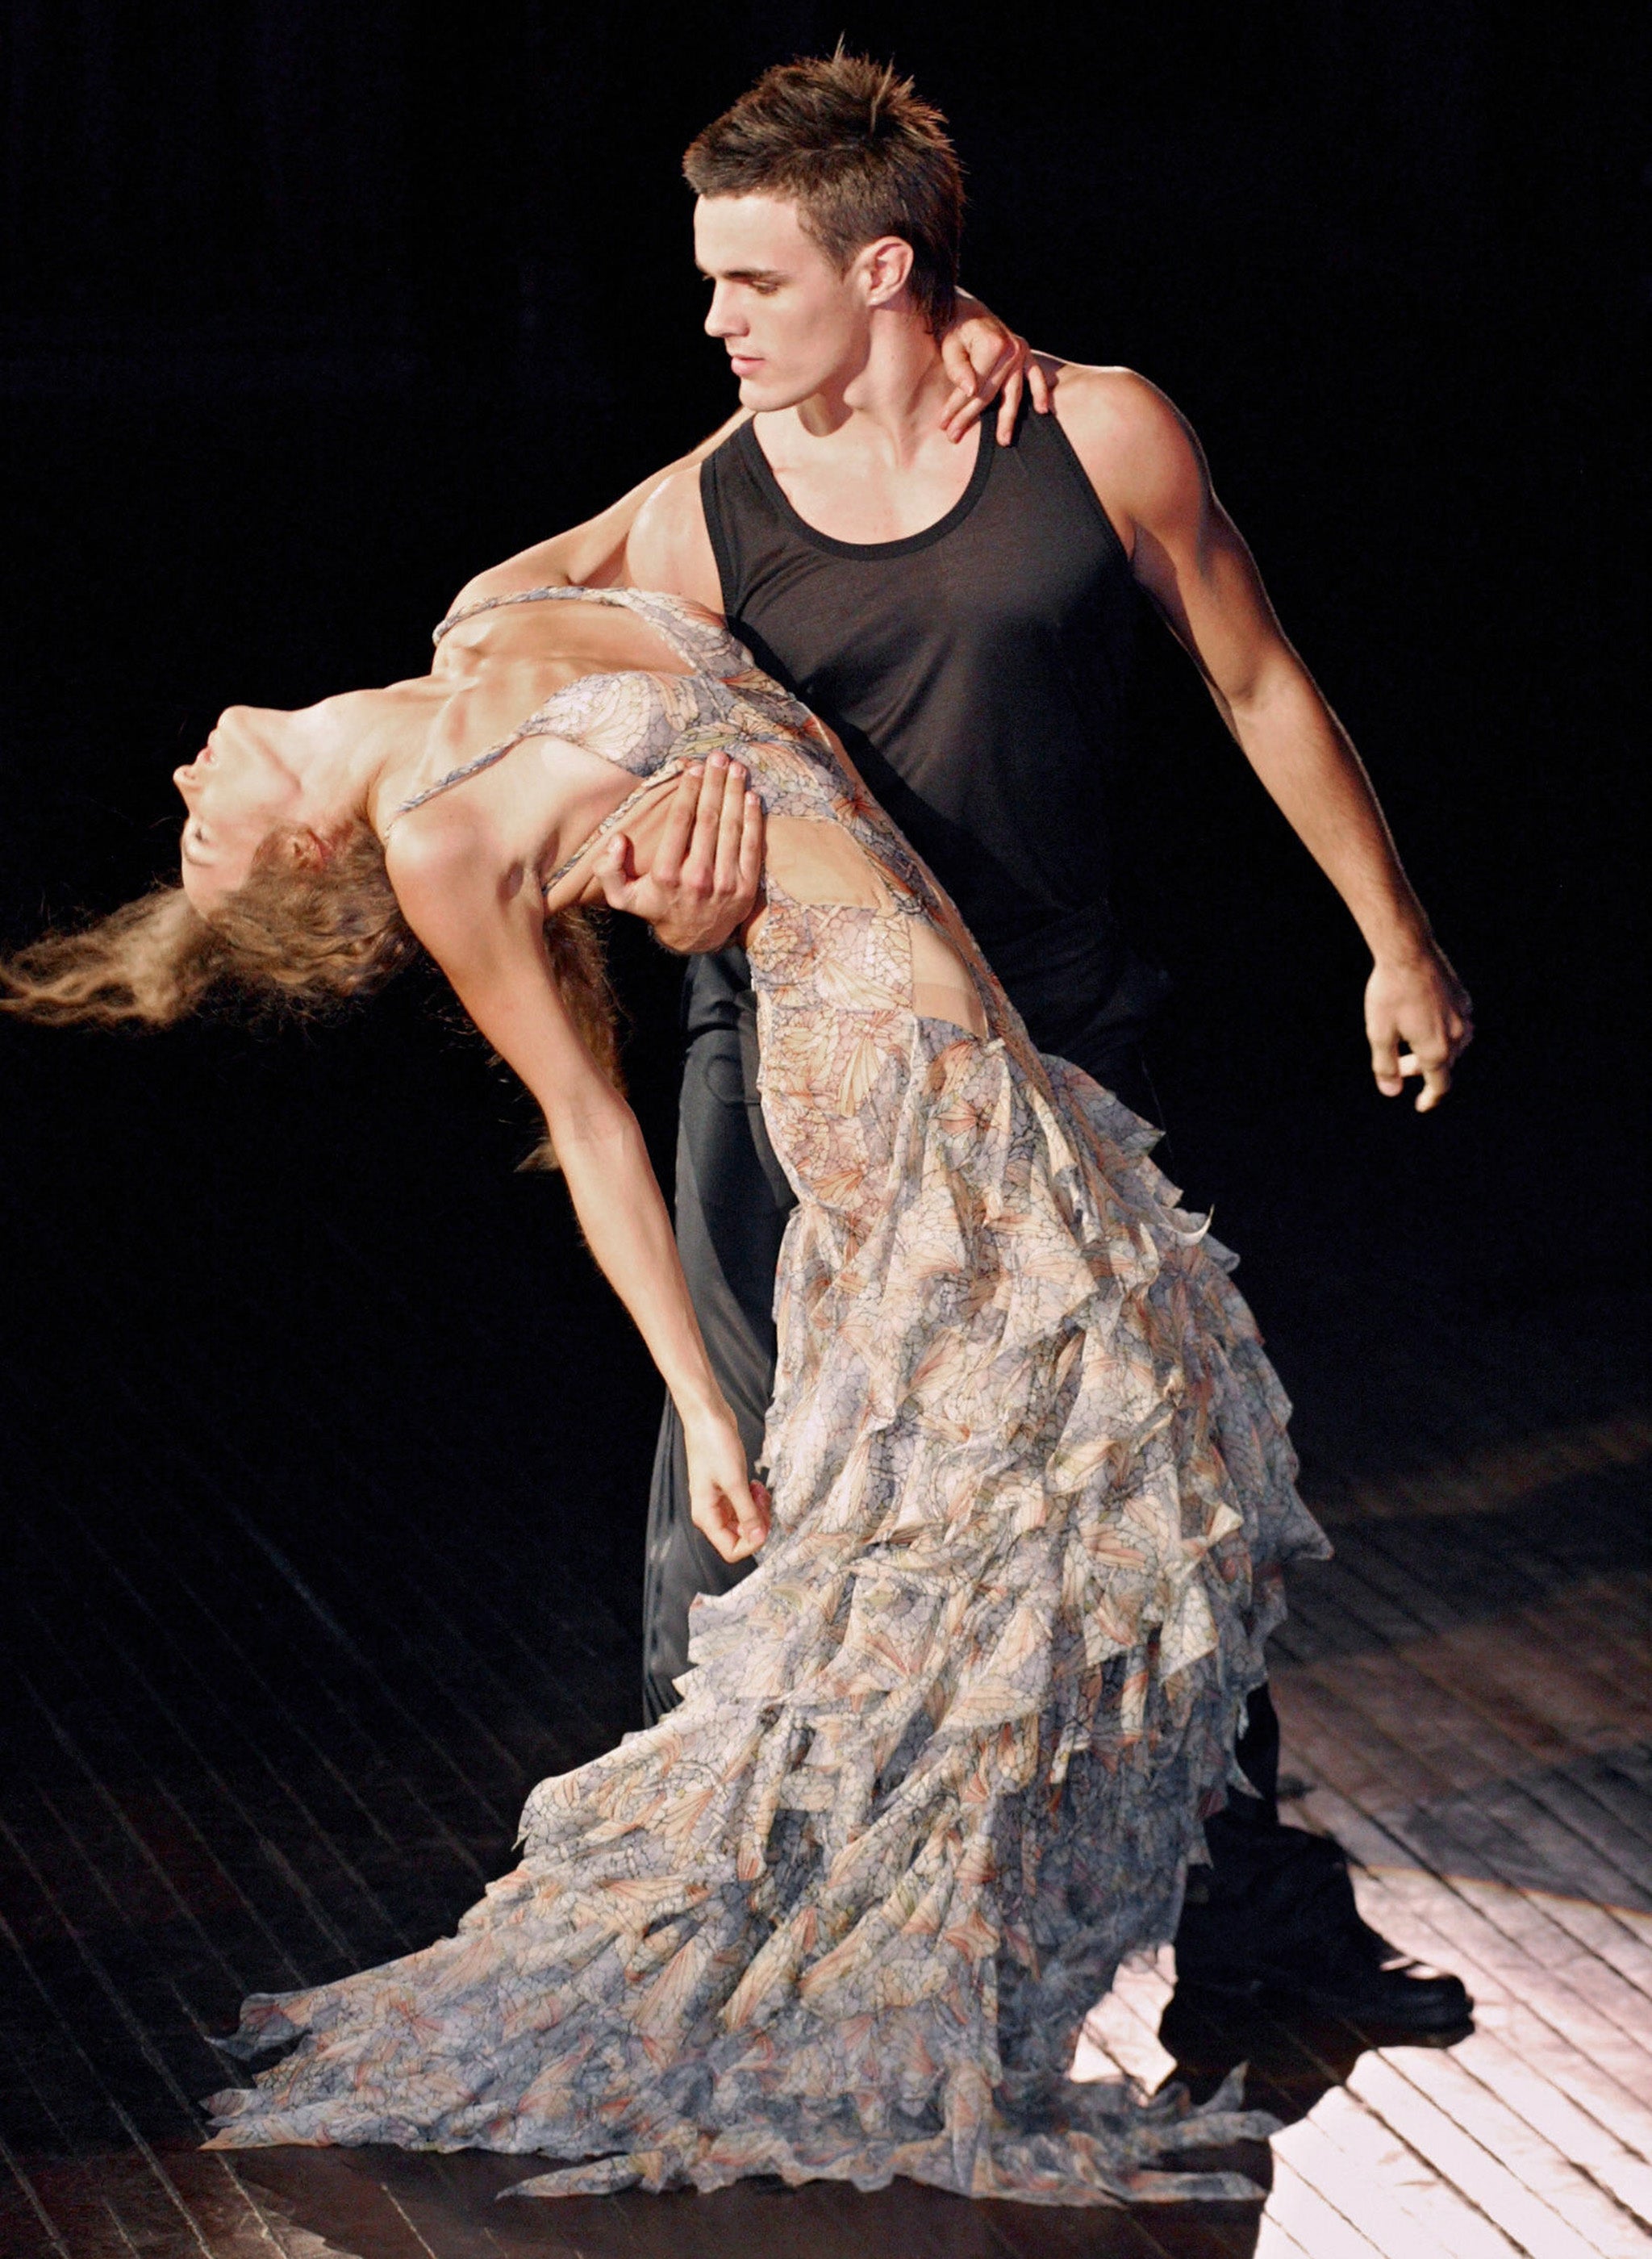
(247, 1758)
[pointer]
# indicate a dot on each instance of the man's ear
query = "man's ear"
(887, 264)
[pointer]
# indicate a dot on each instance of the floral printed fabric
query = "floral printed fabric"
(941, 1760)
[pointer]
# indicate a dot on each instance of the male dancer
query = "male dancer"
(963, 615)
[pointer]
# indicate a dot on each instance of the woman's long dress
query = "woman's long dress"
(941, 1762)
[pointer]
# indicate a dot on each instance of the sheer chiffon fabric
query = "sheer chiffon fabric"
(941, 1761)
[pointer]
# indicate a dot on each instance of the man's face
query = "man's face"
(793, 324)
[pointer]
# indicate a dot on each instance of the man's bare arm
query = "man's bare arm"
(667, 544)
(592, 555)
(982, 357)
(1185, 551)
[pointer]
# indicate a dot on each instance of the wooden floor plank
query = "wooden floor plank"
(237, 2222)
(1514, 1680)
(1316, 2224)
(1024, 2231)
(1501, 1974)
(1538, 2164)
(476, 1782)
(1348, 1746)
(152, 2212)
(219, 1810)
(179, 1912)
(1402, 2203)
(338, 2198)
(1530, 2223)
(1554, 2042)
(93, 2195)
(243, 1741)
(218, 1646)
(75, 2195)
(26, 2227)
(166, 1655)
(390, 1600)
(1508, 1671)
(1529, 1826)
(95, 2017)
(270, 1923)
(1487, 1933)
(1515, 2077)
(1274, 2243)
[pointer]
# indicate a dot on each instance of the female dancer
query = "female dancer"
(941, 1760)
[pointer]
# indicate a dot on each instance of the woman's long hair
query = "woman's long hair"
(298, 938)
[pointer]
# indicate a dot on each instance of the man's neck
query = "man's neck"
(890, 406)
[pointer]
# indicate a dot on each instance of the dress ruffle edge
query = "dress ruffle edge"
(941, 1762)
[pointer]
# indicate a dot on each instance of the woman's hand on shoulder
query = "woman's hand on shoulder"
(984, 357)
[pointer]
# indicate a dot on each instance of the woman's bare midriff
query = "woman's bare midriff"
(811, 861)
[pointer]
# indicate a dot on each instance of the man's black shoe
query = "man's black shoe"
(1274, 1914)
(1395, 1994)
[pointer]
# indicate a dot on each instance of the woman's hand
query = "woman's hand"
(981, 354)
(727, 1506)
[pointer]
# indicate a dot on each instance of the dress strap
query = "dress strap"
(469, 769)
(707, 648)
(496, 603)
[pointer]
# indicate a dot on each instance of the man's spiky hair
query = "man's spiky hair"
(849, 142)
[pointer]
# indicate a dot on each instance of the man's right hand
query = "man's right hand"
(702, 879)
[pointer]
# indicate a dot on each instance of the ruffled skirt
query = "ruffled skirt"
(943, 1759)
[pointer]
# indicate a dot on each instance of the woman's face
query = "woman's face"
(240, 788)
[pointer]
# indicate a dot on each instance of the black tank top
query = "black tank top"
(978, 674)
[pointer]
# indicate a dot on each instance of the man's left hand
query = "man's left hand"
(1419, 1021)
(701, 883)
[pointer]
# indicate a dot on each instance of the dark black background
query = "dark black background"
(310, 311)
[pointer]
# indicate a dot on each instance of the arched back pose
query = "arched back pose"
(943, 1759)
(965, 621)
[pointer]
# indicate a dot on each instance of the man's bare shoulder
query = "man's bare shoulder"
(668, 546)
(673, 510)
(1114, 410)
(1140, 452)
(529, 569)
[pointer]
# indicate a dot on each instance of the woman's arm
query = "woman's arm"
(485, 929)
